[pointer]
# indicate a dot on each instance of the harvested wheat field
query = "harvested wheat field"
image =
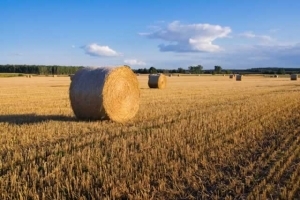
(207, 137)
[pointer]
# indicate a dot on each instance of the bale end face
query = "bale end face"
(105, 93)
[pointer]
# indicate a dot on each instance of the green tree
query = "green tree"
(281, 71)
(218, 69)
(196, 69)
(152, 70)
(180, 70)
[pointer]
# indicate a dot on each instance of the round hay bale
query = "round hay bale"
(239, 77)
(157, 81)
(29, 76)
(170, 75)
(294, 77)
(178, 75)
(105, 93)
(231, 76)
(54, 75)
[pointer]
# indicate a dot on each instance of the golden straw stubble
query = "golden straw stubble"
(105, 93)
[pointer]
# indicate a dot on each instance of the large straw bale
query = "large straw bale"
(294, 77)
(157, 81)
(71, 76)
(105, 93)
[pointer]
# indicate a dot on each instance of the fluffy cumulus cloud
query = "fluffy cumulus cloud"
(134, 62)
(189, 37)
(100, 51)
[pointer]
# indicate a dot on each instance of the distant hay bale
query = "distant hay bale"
(29, 76)
(239, 77)
(54, 75)
(231, 76)
(105, 93)
(170, 75)
(294, 77)
(275, 76)
(178, 75)
(138, 74)
(157, 81)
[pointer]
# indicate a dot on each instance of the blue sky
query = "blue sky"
(164, 34)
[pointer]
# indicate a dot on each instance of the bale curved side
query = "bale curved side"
(105, 93)
(157, 81)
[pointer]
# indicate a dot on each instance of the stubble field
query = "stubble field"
(200, 138)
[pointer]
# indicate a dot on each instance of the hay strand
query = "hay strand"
(157, 81)
(105, 93)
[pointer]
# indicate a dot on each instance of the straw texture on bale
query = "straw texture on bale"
(239, 77)
(157, 81)
(294, 77)
(105, 93)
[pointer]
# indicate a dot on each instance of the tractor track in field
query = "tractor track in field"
(276, 161)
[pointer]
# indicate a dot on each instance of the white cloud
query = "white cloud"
(189, 37)
(100, 51)
(134, 62)
(250, 34)
(73, 46)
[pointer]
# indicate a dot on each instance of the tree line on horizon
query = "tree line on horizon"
(197, 69)
(39, 69)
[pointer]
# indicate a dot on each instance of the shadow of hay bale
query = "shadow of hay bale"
(33, 118)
